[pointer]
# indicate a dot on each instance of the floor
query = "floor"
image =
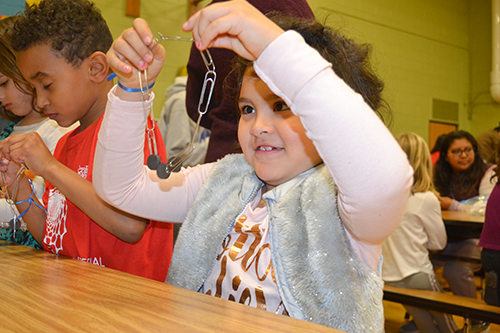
(395, 318)
(395, 312)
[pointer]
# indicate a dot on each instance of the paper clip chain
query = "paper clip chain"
(165, 169)
(10, 198)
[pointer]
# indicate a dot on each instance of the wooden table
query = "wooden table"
(43, 292)
(462, 223)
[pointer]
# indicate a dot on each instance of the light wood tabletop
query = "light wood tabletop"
(459, 216)
(40, 291)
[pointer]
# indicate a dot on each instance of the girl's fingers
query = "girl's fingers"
(189, 24)
(142, 28)
(235, 25)
(132, 47)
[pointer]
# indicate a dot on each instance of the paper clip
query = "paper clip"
(165, 169)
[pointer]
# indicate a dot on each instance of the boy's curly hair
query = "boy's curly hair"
(74, 28)
(350, 61)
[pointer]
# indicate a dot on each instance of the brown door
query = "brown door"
(436, 129)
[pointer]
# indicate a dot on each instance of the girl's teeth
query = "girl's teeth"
(266, 148)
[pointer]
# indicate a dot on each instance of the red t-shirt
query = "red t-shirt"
(69, 232)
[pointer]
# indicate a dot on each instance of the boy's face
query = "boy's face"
(62, 90)
(272, 138)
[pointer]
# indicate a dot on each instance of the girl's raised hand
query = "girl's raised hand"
(136, 50)
(234, 25)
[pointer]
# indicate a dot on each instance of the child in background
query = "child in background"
(269, 228)
(60, 46)
(16, 97)
(406, 255)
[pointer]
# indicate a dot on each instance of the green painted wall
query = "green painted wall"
(484, 112)
(423, 49)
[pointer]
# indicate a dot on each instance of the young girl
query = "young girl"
(296, 224)
(406, 250)
(16, 97)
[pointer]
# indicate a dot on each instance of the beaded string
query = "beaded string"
(17, 223)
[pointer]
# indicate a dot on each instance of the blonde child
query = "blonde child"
(294, 225)
(406, 250)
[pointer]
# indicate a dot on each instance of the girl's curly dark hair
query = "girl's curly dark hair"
(446, 181)
(350, 61)
(74, 28)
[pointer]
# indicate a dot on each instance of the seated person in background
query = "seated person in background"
(406, 250)
(177, 128)
(258, 227)
(490, 242)
(60, 46)
(487, 143)
(460, 174)
(17, 96)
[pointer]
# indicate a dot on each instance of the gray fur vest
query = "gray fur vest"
(319, 276)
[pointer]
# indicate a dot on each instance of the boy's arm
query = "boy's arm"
(30, 150)
(81, 192)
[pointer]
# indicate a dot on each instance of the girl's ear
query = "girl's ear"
(98, 68)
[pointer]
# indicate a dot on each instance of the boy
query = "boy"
(65, 62)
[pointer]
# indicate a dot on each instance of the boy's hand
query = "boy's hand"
(26, 148)
(234, 25)
(132, 52)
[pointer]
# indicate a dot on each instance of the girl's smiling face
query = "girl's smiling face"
(272, 138)
(13, 99)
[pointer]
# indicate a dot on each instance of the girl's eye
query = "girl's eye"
(246, 109)
(281, 106)
(46, 86)
(4, 83)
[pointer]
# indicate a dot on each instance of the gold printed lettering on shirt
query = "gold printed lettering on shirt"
(240, 242)
(245, 245)
(225, 246)
(218, 291)
(257, 259)
(236, 282)
(246, 297)
(260, 298)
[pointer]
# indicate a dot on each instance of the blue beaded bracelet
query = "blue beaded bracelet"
(134, 90)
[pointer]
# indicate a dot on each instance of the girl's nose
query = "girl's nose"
(262, 124)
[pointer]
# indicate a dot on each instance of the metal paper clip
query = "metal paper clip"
(10, 198)
(165, 169)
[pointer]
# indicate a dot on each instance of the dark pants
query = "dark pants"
(491, 264)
